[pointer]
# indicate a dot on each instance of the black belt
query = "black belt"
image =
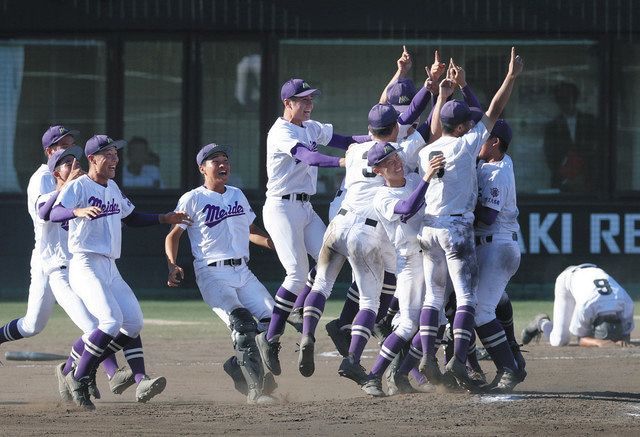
(369, 222)
(338, 193)
(226, 262)
(302, 197)
(489, 238)
(456, 215)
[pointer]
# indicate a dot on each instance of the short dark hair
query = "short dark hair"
(503, 146)
(382, 131)
(447, 128)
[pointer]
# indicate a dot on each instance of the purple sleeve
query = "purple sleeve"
(61, 214)
(343, 142)
(470, 99)
(44, 209)
(411, 204)
(417, 107)
(425, 128)
(315, 159)
(486, 215)
(140, 219)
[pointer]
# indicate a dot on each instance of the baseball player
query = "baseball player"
(44, 267)
(41, 299)
(589, 304)
(397, 204)
(447, 238)
(223, 226)
(289, 218)
(354, 234)
(96, 208)
(497, 250)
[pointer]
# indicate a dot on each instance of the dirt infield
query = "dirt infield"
(569, 391)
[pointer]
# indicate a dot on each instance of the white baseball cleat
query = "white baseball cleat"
(150, 387)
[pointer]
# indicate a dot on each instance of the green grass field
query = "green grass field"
(194, 317)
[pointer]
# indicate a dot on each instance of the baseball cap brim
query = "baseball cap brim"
(220, 148)
(312, 91)
(74, 151)
(384, 158)
(73, 133)
(119, 144)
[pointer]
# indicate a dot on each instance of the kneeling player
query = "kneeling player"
(589, 304)
(220, 234)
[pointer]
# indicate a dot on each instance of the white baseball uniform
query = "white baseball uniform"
(582, 293)
(95, 245)
(447, 238)
(55, 258)
(41, 299)
(219, 233)
(355, 234)
(497, 246)
(295, 228)
(402, 232)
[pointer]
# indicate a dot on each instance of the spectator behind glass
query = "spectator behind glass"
(142, 166)
(570, 141)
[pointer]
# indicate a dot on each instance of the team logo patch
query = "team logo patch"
(495, 192)
(305, 85)
(404, 100)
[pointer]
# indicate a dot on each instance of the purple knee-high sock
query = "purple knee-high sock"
(313, 309)
(388, 351)
(299, 303)
(463, 324)
(76, 351)
(361, 332)
(504, 314)
(10, 332)
(472, 358)
(135, 357)
(350, 308)
(429, 317)
(110, 365)
(495, 340)
(388, 290)
(284, 302)
(118, 343)
(413, 357)
(94, 348)
(394, 307)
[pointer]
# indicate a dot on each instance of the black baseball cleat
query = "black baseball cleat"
(533, 329)
(269, 351)
(232, 368)
(341, 338)
(350, 368)
(306, 365)
(520, 361)
(430, 369)
(458, 370)
(505, 381)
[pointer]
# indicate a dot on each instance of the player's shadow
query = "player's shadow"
(611, 396)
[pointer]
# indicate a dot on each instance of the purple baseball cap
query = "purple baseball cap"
(379, 152)
(98, 143)
(502, 130)
(400, 93)
(455, 112)
(297, 88)
(59, 155)
(55, 134)
(382, 115)
(210, 150)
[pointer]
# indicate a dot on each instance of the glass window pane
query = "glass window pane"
(231, 105)
(552, 110)
(627, 96)
(152, 114)
(43, 83)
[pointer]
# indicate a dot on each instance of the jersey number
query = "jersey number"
(603, 287)
(367, 172)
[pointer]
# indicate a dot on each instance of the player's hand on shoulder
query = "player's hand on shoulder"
(176, 218)
(89, 212)
(516, 64)
(176, 275)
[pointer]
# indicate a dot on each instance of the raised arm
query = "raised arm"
(446, 89)
(499, 101)
(404, 65)
(171, 245)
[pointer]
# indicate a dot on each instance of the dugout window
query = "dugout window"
(552, 109)
(153, 86)
(231, 99)
(44, 83)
